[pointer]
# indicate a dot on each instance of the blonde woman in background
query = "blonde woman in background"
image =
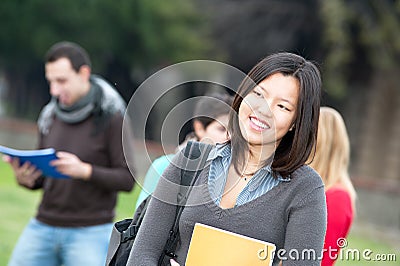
(331, 161)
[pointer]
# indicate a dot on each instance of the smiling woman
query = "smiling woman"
(268, 112)
(285, 84)
(256, 184)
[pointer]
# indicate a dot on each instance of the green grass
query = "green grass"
(18, 205)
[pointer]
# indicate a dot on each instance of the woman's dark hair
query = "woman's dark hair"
(72, 51)
(211, 106)
(296, 146)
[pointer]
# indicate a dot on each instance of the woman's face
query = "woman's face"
(215, 132)
(268, 112)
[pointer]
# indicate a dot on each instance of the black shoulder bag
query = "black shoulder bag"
(125, 231)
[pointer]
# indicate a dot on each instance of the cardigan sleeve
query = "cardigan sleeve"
(305, 230)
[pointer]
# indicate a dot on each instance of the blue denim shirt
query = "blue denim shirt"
(262, 181)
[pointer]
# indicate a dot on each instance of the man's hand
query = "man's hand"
(69, 164)
(25, 174)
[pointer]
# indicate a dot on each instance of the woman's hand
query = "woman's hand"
(173, 262)
(69, 164)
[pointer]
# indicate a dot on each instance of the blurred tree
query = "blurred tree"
(359, 38)
(351, 38)
(126, 40)
(247, 31)
(362, 47)
(338, 45)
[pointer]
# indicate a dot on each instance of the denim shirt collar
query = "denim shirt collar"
(261, 175)
(220, 150)
(224, 150)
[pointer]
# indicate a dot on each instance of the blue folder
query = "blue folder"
(39, 158)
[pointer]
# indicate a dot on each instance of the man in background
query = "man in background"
(83, 123)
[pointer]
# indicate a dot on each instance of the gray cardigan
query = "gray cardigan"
(292, 216)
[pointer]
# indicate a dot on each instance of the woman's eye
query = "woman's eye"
(222, 129)
(257, 93)
(283, 107)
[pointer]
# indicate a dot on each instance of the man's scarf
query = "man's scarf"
(102, 101)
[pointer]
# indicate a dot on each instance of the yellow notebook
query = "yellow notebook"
(213, 246)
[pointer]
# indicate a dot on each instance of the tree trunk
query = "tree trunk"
(379, 154)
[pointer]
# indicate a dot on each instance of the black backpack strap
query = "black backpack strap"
(196, 154)
(131, 231)
(195, 158)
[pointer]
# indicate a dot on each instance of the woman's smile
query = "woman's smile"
(258, 124)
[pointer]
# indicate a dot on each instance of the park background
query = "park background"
(355, 42)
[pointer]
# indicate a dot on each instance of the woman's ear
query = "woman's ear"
(199, 129)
